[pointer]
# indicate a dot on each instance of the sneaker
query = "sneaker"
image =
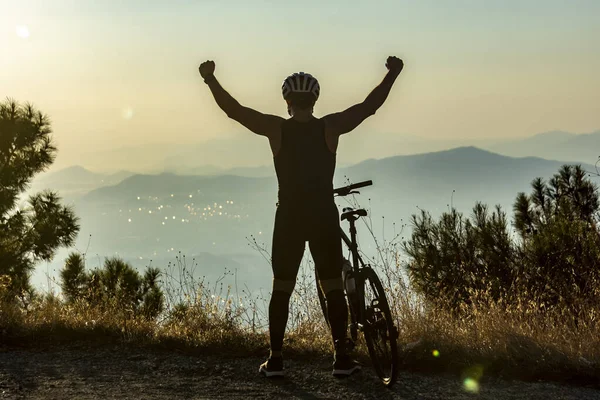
(344, 365)
(271, 368)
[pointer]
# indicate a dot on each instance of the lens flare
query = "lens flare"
(22, 31)
(472, 376)
(435, 353)
(471, 385)
(127, 113)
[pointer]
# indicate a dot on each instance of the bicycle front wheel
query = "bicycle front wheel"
(380, 333)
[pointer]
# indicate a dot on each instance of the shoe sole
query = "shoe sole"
(271, 374)
(346, 372)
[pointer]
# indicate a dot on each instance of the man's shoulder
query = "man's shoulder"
(315, 120)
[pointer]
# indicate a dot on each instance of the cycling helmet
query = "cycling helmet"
(300, 82)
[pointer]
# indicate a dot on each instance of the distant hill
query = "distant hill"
(478, 172)
(156, 216)
(464, 166)
(171, 186)
(460, 177)
(246, 154)
(76, 180)
(75, 174)
(212, 170)
(244, 151)
(555, 145)
(173, 205)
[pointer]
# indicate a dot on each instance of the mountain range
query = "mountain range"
(216, 218)
(76, 180)
(555, 145)
(249, 155)
(157, 215)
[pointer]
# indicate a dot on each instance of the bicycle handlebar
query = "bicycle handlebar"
(346, 190)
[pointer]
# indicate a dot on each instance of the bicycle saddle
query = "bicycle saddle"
(350, 213)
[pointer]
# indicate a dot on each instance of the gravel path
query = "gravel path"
(122, 372)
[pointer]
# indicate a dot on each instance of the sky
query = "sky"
(113, 74)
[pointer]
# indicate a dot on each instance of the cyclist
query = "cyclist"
(304, 153)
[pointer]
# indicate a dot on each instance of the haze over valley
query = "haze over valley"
(211, 215)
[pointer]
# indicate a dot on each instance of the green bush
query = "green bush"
(116, 284)
(553, 260)
(560, 242)
(455, 257)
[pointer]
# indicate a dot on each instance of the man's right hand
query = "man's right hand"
(394, 64)
(207, 68)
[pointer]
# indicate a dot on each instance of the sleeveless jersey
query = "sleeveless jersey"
(304, 164)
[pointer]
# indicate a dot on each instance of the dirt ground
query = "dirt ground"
(124, 372)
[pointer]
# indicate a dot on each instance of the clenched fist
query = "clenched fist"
(207, 69)
(394, 64)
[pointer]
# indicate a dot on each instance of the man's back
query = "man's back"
(304, 163)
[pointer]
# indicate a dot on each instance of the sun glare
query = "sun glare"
(127, 113)
(22, 31)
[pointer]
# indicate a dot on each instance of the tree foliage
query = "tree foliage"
(456, 255)
(560, 242)
(552, 256)
(115, 284)
(32, 231)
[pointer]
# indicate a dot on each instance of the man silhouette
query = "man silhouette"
(304, 152)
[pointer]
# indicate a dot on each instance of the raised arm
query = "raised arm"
(259, 123)
(345, 121)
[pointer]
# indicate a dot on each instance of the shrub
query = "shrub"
(457, 256)
(116, 284)
(553, 261)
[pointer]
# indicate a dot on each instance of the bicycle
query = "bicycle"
(369, 308)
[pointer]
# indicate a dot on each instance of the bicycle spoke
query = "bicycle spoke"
(379, 330)
(381, 345)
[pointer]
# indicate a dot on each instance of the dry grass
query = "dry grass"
(521, 340)
(518, 341)
(199, 317)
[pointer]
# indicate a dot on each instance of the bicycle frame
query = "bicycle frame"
(367, 318)
(358, 268)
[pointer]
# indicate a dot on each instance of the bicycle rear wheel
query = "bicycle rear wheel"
(379, 330)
